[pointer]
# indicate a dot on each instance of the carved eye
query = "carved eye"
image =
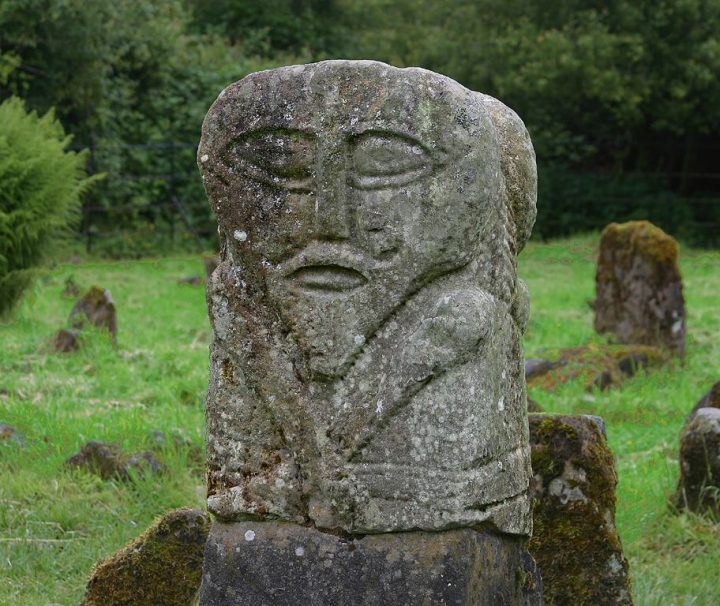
(382, 160)
(282, 158)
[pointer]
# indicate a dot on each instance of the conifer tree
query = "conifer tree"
(41, 183)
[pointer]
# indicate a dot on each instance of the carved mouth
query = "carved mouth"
(327, 278)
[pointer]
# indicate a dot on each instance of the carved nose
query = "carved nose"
(331, 213)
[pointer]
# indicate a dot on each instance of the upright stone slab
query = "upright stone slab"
(698, 488)
(575, 541)
(367, 376)
(638, 287)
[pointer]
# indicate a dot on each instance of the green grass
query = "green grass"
(154, 380)
(55, 523)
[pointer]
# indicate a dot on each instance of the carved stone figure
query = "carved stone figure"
(366, 366)
(367, 376)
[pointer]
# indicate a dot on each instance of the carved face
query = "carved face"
(341, 193)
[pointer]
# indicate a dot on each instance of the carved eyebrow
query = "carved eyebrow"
(262, 155)
(381, 159)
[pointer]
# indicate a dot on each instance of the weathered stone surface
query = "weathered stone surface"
(366, 364)
(162, 567)
(575, 542)
(639, 297)
(278, 564)
(97, 308)
(699, 485)
(109, 461)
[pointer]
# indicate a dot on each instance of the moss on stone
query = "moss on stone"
(162, 567)
(575, 542)
(698, 488)
(646, 239)
(638, 287)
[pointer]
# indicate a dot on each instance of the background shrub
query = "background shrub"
(40, 187)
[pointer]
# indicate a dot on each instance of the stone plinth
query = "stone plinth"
(283, 564)
(575, 542)
(366, 371)
(638, 287)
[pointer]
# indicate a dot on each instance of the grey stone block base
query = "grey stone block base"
(277, 563)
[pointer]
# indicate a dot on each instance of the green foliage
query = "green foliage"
(286, 26)
(126, 78)
(606, 89)
(40, 187)
(572, 200)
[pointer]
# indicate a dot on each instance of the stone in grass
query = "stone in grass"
(162, 567)
(638, 287)
(110, 462)
(96, 307)
(698, 489)
(537, 367)
(65, 340)
(71, 288)
(10, 435)
(191, 281)
(575, 542)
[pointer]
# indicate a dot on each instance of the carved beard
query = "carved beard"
(334, 301)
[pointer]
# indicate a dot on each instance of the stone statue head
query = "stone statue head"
(348, 194)
(343, 187)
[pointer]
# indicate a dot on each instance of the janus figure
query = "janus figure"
(366, 366)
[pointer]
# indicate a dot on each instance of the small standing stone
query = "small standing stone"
(699, 485)
(65, 341)
(96, 307)
(110, 462)
(10, 435)
(162, 567)
(575, 542)
(638, 287)
(71, 288)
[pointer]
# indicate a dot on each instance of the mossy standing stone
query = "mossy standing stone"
(698, 488)
(575, 542)
(639, 298)
(162, 567)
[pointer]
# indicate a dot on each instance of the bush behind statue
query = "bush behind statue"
(40, 188)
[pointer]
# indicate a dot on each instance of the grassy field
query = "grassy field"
(55, 523)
